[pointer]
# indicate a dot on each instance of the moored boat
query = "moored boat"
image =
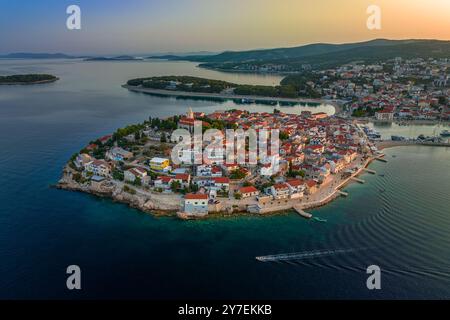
(445, 133)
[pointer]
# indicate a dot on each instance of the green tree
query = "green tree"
(137, 135)
(117, 175)
(137, 181)
(163, 137)
(175, 185)
(443, 100)
(284, 135)
(237, 174)
(77, 177)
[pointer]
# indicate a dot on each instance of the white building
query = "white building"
(296, 188)
(82, 160)
(196, 204)
(132, 174)
(280, 191)
(249, 191)
(99, 168)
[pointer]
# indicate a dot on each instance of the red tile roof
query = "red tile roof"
(281, 186)
(311, 183)
(164, 179)
(221, 180)
(295, 182)
(182, 176)
(249, 189)
(196, 196)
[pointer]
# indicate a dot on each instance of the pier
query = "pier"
(381, 159)
(369, 171)
(342, 193)
(302, 213)
(357, 179)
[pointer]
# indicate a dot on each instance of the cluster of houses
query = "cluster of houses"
(317, 146)
(396, 89)
(313, 147)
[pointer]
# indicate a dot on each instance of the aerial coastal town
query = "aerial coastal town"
(318, 154)
(414, 89)
(401, 90)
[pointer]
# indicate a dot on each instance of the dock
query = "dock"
(343, 193)
(369, 171)
(302, 213)
(357, 179)
(381, 158)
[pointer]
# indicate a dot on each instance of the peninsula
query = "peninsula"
(318, 155)
(27, 79)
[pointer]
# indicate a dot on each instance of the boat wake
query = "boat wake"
(305, 255)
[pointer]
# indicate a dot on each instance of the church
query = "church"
(187, 122)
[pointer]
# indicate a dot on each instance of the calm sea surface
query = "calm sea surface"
(399, 219)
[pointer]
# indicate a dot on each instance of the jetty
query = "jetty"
(302, 212)
(342, 193)
(357, 180)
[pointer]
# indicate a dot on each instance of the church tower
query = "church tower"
(190, 114)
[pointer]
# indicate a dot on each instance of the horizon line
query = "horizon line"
(226, 50)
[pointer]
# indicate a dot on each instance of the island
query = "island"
(288, 91)
(27, 79)
(318, 155)
(118, 58)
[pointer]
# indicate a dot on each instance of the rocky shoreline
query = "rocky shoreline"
(171, 205)
(148, 204)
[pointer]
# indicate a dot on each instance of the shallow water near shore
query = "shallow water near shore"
(401, 219)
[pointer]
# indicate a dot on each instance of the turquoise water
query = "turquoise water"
(400, 220)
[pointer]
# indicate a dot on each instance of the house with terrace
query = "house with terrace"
(118, 154)
(131, 175)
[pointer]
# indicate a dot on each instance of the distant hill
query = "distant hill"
(177, 56)
(173, 57)
(25, 55)
(118, 58)
(325, 55)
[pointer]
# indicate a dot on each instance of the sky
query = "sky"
(159, 26)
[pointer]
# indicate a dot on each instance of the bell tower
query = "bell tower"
(190, 114)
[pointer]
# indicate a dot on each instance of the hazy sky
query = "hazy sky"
(139, 26)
